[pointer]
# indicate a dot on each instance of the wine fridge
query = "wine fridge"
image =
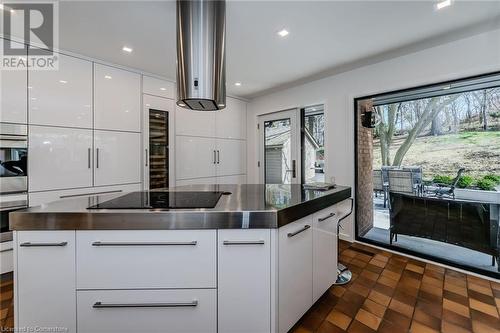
(158, 149)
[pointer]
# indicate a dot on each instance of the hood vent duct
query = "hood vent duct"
(201, 63)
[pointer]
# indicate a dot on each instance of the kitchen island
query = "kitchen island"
(256, 262)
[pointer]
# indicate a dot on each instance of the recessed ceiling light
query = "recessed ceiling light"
(107, 77)
(163, 89)
(181, 104)
(443, 4)
(283, 33)
(127, 49)
(63, 81)
(237, 84)
(221, 105)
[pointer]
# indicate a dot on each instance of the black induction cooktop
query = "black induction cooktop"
(165, 200)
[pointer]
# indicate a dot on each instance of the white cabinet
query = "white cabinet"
(157, 87)
(117, 99)
(195, 123)
(295, 244)
(13, 98)
(59, 158)
(324, 250)
(45, 279)
(231, 157)
(196, 157)
(197, 181)
(165, 311)
(131, 259)
(117, 157)
(231, 121)
(6, 257)
(244, 281)
(238, 179)
(62, 97)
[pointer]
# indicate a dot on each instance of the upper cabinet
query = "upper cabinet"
(156, 87)
(194, 123)
(231, 121)
(62, 97)
(117, 99)
(13, 102)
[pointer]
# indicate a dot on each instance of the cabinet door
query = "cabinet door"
(59, 158)
(244, 281)
(231, 121)
(156, 87)
(62, 97)
(13, 101)
(295, 272)
(231, 157)
(117, 158)
(197, 181)
(6, 257)
(45, 279)
(117, 99)
(195, 157)
(238, 179)
(324, 250)
(196, 123)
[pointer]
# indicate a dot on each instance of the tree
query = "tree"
(386, 129)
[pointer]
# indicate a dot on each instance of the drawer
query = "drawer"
(6, 257)
(329, 215)
(146, 259)
(147, 311)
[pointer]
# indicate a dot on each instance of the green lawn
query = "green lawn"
(478, 152)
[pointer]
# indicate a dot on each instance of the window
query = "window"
(428, 173)
(313, 144)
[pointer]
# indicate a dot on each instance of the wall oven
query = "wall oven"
(13, 173)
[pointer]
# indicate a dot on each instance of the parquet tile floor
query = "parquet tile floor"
(395, 294)
(388, 293)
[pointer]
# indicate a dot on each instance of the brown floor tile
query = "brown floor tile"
(379, 298)
(373, 307)
(482, 297)
(327, 327)
(447, 327)
(456, 307)
(417, 327)
(483, 307)
(339, 319)
(480, 288)
(357, 327)
(427, 319)
(449, 295)
(456, 319)
(404, 309)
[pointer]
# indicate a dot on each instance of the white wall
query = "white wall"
(465, 57)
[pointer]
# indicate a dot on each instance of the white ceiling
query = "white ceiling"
(324, 35)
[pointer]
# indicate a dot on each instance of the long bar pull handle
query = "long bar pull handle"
(294, 169)
(91, 193)
(326, 217)
(146, 151)
(100, 305)
(218, 156)
(89, 152)
(7, 250)
(215, 157)
(99, 243)
(291, 234)
(29, 244)
(97, 158)
(259, 242)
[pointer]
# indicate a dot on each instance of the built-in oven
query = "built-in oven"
(13, 158)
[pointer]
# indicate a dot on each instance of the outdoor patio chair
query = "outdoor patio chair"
(446, 190)
(417, 177)
(401, 181)
(379, 186)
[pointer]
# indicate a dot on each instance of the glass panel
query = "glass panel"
(313, 149)
(13, 162)
(278, 155)
(428, 176)
(158, 149)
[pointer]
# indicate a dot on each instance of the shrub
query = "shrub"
(486, 184)
(495, 114)
(465, 181)
(493, 178)
(447, 180)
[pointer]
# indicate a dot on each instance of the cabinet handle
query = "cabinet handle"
(321, 219)
(146, 156)
(7, 250)
(294, 169)
(215, 157)
(100, 305)
(259, 242)
(97, 158)
(29, 244)
(99, 243)
(291, 234)
(89, 151)
(218, 156)
(85, 194)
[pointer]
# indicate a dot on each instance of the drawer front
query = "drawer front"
(6, 257)
(147, 311)
(146, 259)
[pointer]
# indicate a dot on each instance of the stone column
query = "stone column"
(364, 187)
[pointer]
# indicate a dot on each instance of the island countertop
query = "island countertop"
(248, 206)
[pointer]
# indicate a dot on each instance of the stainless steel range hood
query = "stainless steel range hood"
(201, 63)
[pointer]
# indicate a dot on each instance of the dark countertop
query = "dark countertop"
(248, 206)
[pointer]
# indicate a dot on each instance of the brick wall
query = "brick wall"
(364, 190)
